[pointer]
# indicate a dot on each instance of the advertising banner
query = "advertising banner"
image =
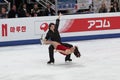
(20, 30)
(91, 24)
(12, 29)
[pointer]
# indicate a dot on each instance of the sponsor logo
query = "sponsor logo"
(98, 24)
(5, 29)
(44, 27)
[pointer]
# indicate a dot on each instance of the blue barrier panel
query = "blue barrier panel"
(64, 39)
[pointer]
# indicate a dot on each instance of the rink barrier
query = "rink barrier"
(23, 31)
(64, 39)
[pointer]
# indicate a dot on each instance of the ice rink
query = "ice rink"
(100, 60)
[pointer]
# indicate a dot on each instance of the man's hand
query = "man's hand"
(59, 15)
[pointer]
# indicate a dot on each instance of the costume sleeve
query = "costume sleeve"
(57, 23)
(47, 36)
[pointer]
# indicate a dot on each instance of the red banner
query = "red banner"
(92, 24)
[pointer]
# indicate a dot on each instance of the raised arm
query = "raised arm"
(58, 21)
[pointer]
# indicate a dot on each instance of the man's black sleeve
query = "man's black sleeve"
(47, 36)
(57, 24)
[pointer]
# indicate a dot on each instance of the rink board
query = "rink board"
(22, 31)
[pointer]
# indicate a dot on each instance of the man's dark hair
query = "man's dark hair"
(51, 25)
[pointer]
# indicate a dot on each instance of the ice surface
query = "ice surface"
(100, 60)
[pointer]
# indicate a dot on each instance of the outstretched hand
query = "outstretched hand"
(59, 15)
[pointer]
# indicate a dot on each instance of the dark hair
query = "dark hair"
(51, 25)
(115, 2)
(76, 52)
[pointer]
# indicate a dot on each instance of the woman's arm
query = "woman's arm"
(66, 52)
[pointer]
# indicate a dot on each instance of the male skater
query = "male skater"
(53, 35)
